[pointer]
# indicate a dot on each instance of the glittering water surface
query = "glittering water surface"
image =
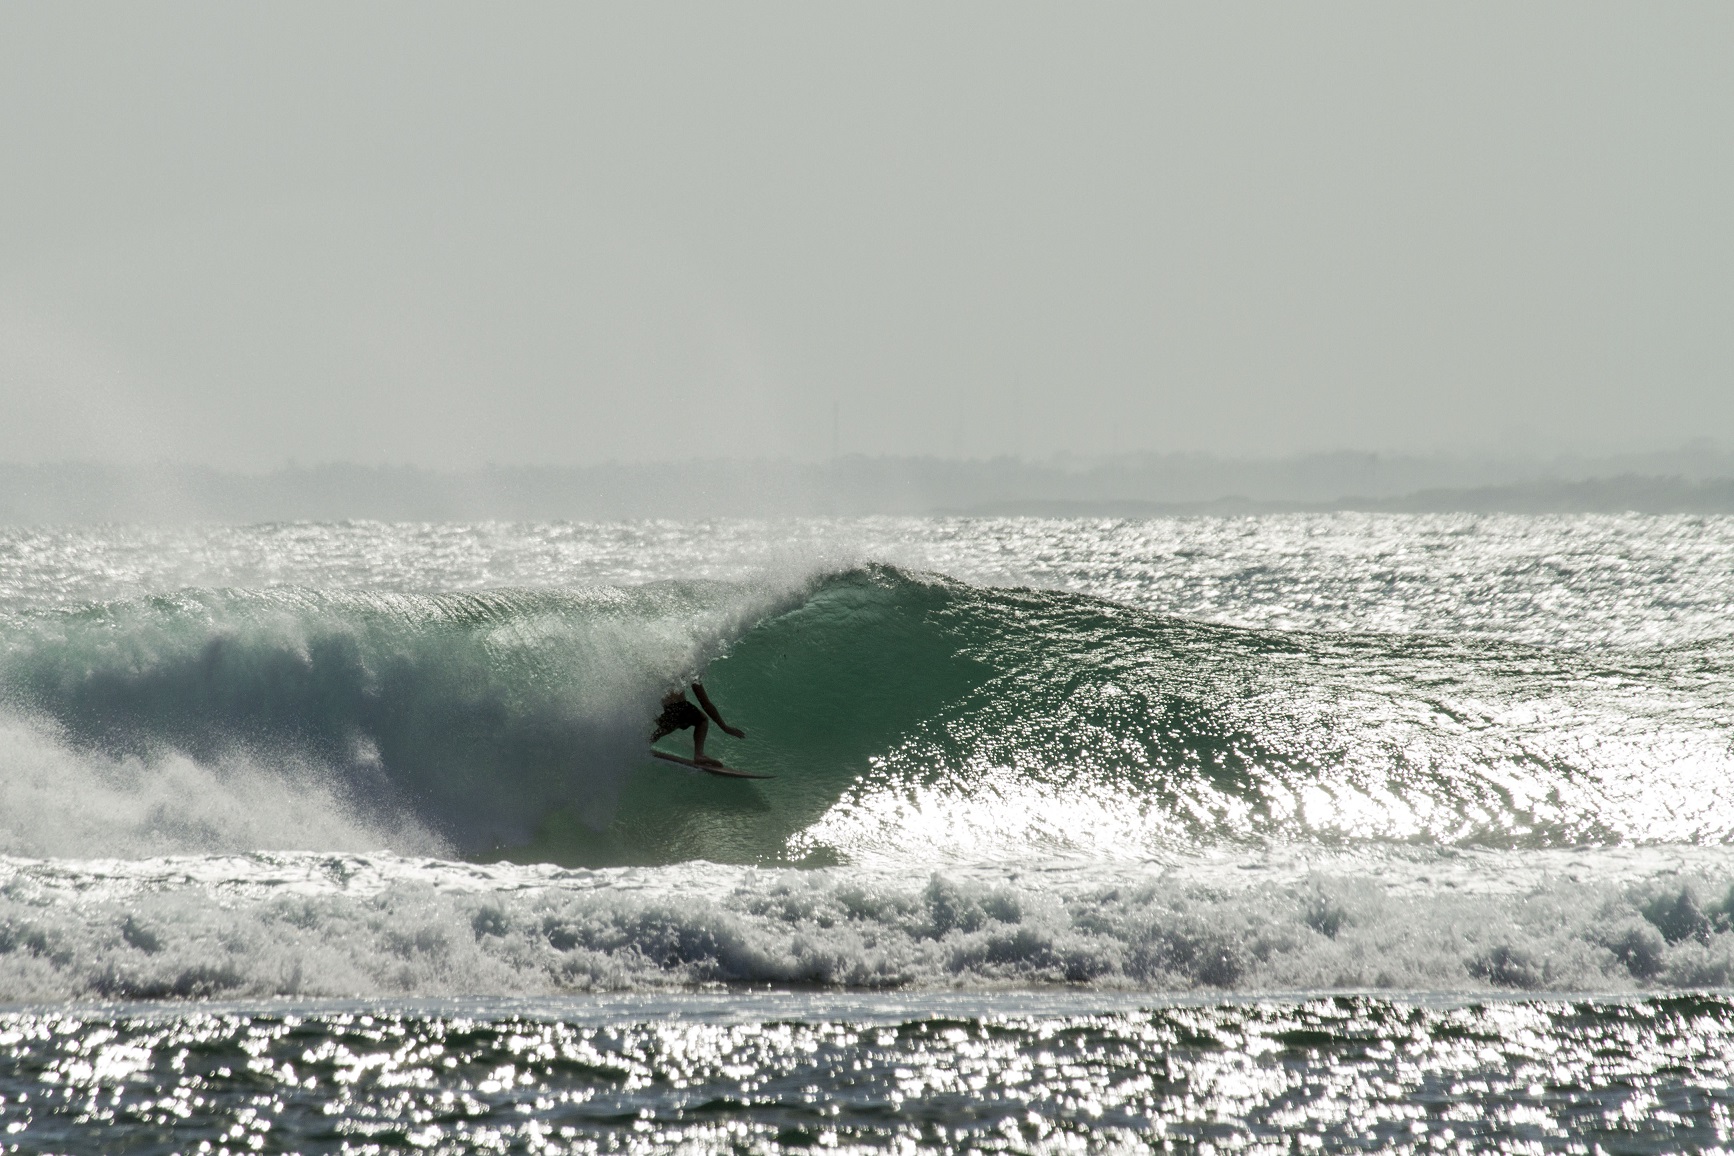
(1576, 580)
(746, 1073)
(1085, 835)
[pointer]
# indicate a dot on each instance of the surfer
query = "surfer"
(678, 714)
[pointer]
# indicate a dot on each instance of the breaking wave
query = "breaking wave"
(905, 717)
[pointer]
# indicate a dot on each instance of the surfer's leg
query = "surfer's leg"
(699, 730)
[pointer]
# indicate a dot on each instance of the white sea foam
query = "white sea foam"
(57, 801)
(363, 925)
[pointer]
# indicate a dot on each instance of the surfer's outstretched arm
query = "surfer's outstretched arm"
(713, 712)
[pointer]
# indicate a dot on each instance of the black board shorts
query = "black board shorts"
(677, 716)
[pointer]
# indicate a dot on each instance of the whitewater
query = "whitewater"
(1413, 800)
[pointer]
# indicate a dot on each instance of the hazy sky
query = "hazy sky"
(451, 234)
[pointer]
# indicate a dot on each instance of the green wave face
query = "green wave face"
(882, 683)
(478, 715)
(821, 690)
(915, 718)
(904, 716)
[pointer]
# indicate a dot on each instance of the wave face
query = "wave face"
(1043, 719)
(905, 716)
(453, 722)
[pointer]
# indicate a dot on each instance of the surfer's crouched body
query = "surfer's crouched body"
(678, 714)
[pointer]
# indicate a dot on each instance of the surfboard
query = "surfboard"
(725, 772)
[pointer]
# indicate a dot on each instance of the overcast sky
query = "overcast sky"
(440, 234)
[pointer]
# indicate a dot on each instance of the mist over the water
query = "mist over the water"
(573, 235)
(1695, 479)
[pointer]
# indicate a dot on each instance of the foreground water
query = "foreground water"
(769, 1074)
(1293, 830)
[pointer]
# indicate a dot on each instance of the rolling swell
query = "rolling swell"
(905, 716)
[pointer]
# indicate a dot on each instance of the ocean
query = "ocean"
(1286, 833)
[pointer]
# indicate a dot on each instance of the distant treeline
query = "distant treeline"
(1698, 480)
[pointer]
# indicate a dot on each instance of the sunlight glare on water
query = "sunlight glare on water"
(1320, 1075)
(1298, 832)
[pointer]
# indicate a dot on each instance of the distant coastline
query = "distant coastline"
(1698, 480)
(1631, 493)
